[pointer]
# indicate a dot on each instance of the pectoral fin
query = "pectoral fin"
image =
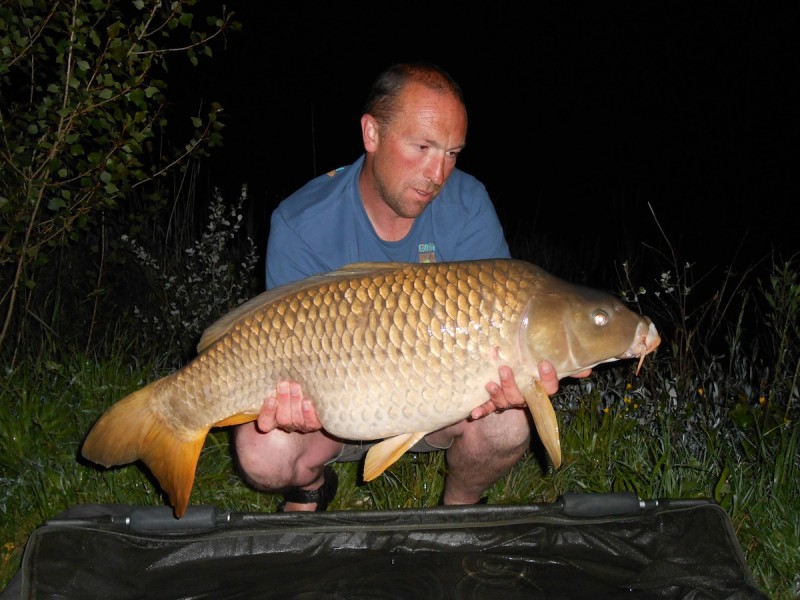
(544, 417)
(383, 454)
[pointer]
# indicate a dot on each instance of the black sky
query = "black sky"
(581, 114)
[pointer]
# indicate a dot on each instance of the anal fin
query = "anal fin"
(384, 453)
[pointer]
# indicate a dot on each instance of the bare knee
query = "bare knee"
(508, 433)
(483, 451)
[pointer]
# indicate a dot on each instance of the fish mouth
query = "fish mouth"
(646, 340)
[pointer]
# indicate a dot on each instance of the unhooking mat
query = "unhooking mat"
(582, 546)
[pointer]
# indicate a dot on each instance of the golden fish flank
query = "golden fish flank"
(385, 350)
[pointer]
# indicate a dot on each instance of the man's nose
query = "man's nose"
(435, 170)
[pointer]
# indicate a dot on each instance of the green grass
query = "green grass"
(608, 445)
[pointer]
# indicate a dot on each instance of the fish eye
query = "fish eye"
(600, 318)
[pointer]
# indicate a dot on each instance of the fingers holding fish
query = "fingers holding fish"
(584, 373)
(501, 396)
(289, 410)
(548, 377)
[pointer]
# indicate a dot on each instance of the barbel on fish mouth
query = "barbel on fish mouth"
(388, 351)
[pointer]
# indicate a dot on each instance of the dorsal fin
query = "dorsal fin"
(223, 325)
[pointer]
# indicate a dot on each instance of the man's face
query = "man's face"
(417, 150)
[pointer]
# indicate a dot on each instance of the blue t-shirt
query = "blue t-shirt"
(323, 226)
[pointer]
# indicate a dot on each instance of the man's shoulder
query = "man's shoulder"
(321, 194)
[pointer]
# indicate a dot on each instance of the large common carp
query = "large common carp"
(384, 350)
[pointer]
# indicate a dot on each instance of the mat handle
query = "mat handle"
(599, 504)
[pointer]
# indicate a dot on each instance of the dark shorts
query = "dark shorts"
(355, 451)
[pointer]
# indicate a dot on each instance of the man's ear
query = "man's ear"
(369, 132)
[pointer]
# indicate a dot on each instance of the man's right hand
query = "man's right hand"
(288, 410)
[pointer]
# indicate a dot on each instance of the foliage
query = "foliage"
(83, 103)
(188, 292)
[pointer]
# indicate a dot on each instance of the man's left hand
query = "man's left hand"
(507, 394)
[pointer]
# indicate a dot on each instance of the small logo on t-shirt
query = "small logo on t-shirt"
(334, 172)
(427, 252)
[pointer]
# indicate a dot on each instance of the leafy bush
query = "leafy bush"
(188, 292)
(83, 87)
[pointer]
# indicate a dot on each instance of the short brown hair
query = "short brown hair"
(382, 96)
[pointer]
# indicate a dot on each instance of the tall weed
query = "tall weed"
(188, 291)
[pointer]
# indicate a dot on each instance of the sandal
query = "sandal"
(322, 496)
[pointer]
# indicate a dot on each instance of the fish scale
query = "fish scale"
(396, 345)
(383, 350)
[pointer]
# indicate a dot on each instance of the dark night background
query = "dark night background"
(581, 114)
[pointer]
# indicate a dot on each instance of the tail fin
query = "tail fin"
(132, 430)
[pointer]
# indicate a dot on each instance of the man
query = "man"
(403, 200)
